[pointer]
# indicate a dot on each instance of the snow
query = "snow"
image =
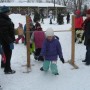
(68, 78)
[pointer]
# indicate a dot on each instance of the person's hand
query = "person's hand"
(62, 59)
(11, 46)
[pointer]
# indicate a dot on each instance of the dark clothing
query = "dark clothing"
(86, 26)
(6, 38)
(37, 51)
(68, 18)
(8, 54)
(37, 55)
(6, 30)
(87, 59)
(87, 31)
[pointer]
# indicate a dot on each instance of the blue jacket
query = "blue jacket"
(51, 49)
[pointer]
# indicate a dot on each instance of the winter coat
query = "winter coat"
(51, 49)
(20, 31)
(32, 28)
(6, 30)
(78, 22)
(38, 37)
(86, 26)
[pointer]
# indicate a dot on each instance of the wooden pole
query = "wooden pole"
(72, 62)
(73, 40)
(28, 40)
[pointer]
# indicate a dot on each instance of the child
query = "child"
(50, 51)
(20, 33)
(38, 37)
(3, 58)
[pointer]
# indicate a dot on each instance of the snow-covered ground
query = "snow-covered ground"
(68, 78)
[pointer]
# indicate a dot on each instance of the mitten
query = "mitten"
(62, 59)
(11, 46)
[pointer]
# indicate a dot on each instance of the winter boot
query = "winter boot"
(41, 69)
(56, 74)
(10, 71)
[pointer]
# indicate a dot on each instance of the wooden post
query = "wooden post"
(28, 40)
(73, 40)
(72, 62)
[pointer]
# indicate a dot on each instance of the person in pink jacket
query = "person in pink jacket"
(38, 37)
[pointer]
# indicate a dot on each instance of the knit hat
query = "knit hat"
(49, 32)
(20, 25)
(88, 11)
(4, 9)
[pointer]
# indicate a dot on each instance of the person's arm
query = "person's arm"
(43, 50)
(59, 50)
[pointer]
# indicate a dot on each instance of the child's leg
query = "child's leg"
(19, 37)
(53, 67)
(46, 64)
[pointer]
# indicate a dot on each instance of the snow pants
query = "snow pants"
(52, 65)
(20, 37)
(8, 54)
(32, 48)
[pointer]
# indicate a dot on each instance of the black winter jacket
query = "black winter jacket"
(87, 31)
(7, 35)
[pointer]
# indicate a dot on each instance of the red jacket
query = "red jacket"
(78, 22)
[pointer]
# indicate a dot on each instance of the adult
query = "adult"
(7, 37)
(86, 26)
(68, 18)
(78, 25)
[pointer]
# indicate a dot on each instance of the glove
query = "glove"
(62, 59)
(3, 58)
(11, 46)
